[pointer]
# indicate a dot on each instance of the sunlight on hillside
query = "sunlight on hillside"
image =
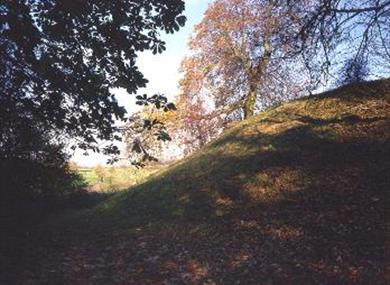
(301, 181)
(200, 142)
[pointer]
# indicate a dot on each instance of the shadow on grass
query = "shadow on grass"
(20, 219)
(307, 154)
(304, 204)
(320, 216)
(300, 158)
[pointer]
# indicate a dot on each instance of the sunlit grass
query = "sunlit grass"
(301, 188)
(113, 179)
(285, 154)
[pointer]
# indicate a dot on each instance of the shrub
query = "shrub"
(32, 161)
(354, 70)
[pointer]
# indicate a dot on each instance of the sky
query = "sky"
(162, 71)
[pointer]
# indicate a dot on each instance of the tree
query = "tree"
(354, 70)
(32, 164)
(59, 59)
(145, 132)
(238, 49)
(239, 64)
(334, 30)
(194, 123)
(251, 54)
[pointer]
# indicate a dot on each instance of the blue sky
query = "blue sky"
(161, 70)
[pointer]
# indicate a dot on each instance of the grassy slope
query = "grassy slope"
(296, 194)
(330, 146)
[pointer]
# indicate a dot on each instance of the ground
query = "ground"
(114, 179)
(295, 195)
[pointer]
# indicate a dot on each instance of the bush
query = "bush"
(354, 70)
(32, 161)
(26, 179)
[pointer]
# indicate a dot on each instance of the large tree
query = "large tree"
(257, 52)
(59, 59)
(247, 52)
(239, 64)
(239, 51)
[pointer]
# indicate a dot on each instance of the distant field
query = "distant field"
(115, 178)
(89, 175)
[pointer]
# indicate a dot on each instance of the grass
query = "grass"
(88, 175)
(114, 179)
(297, 194)
(298, 147)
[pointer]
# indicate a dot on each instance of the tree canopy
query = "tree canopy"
(337, 31)
(238, 51)
(59, 59)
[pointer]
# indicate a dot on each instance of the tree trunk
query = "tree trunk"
(250, 102)
(255, 76)
(256, 73)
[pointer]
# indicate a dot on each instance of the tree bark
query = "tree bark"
(256, 72)
(250, 102)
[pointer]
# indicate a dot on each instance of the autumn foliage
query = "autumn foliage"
(240, 63)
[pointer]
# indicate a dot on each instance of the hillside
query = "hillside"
(295, 195)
